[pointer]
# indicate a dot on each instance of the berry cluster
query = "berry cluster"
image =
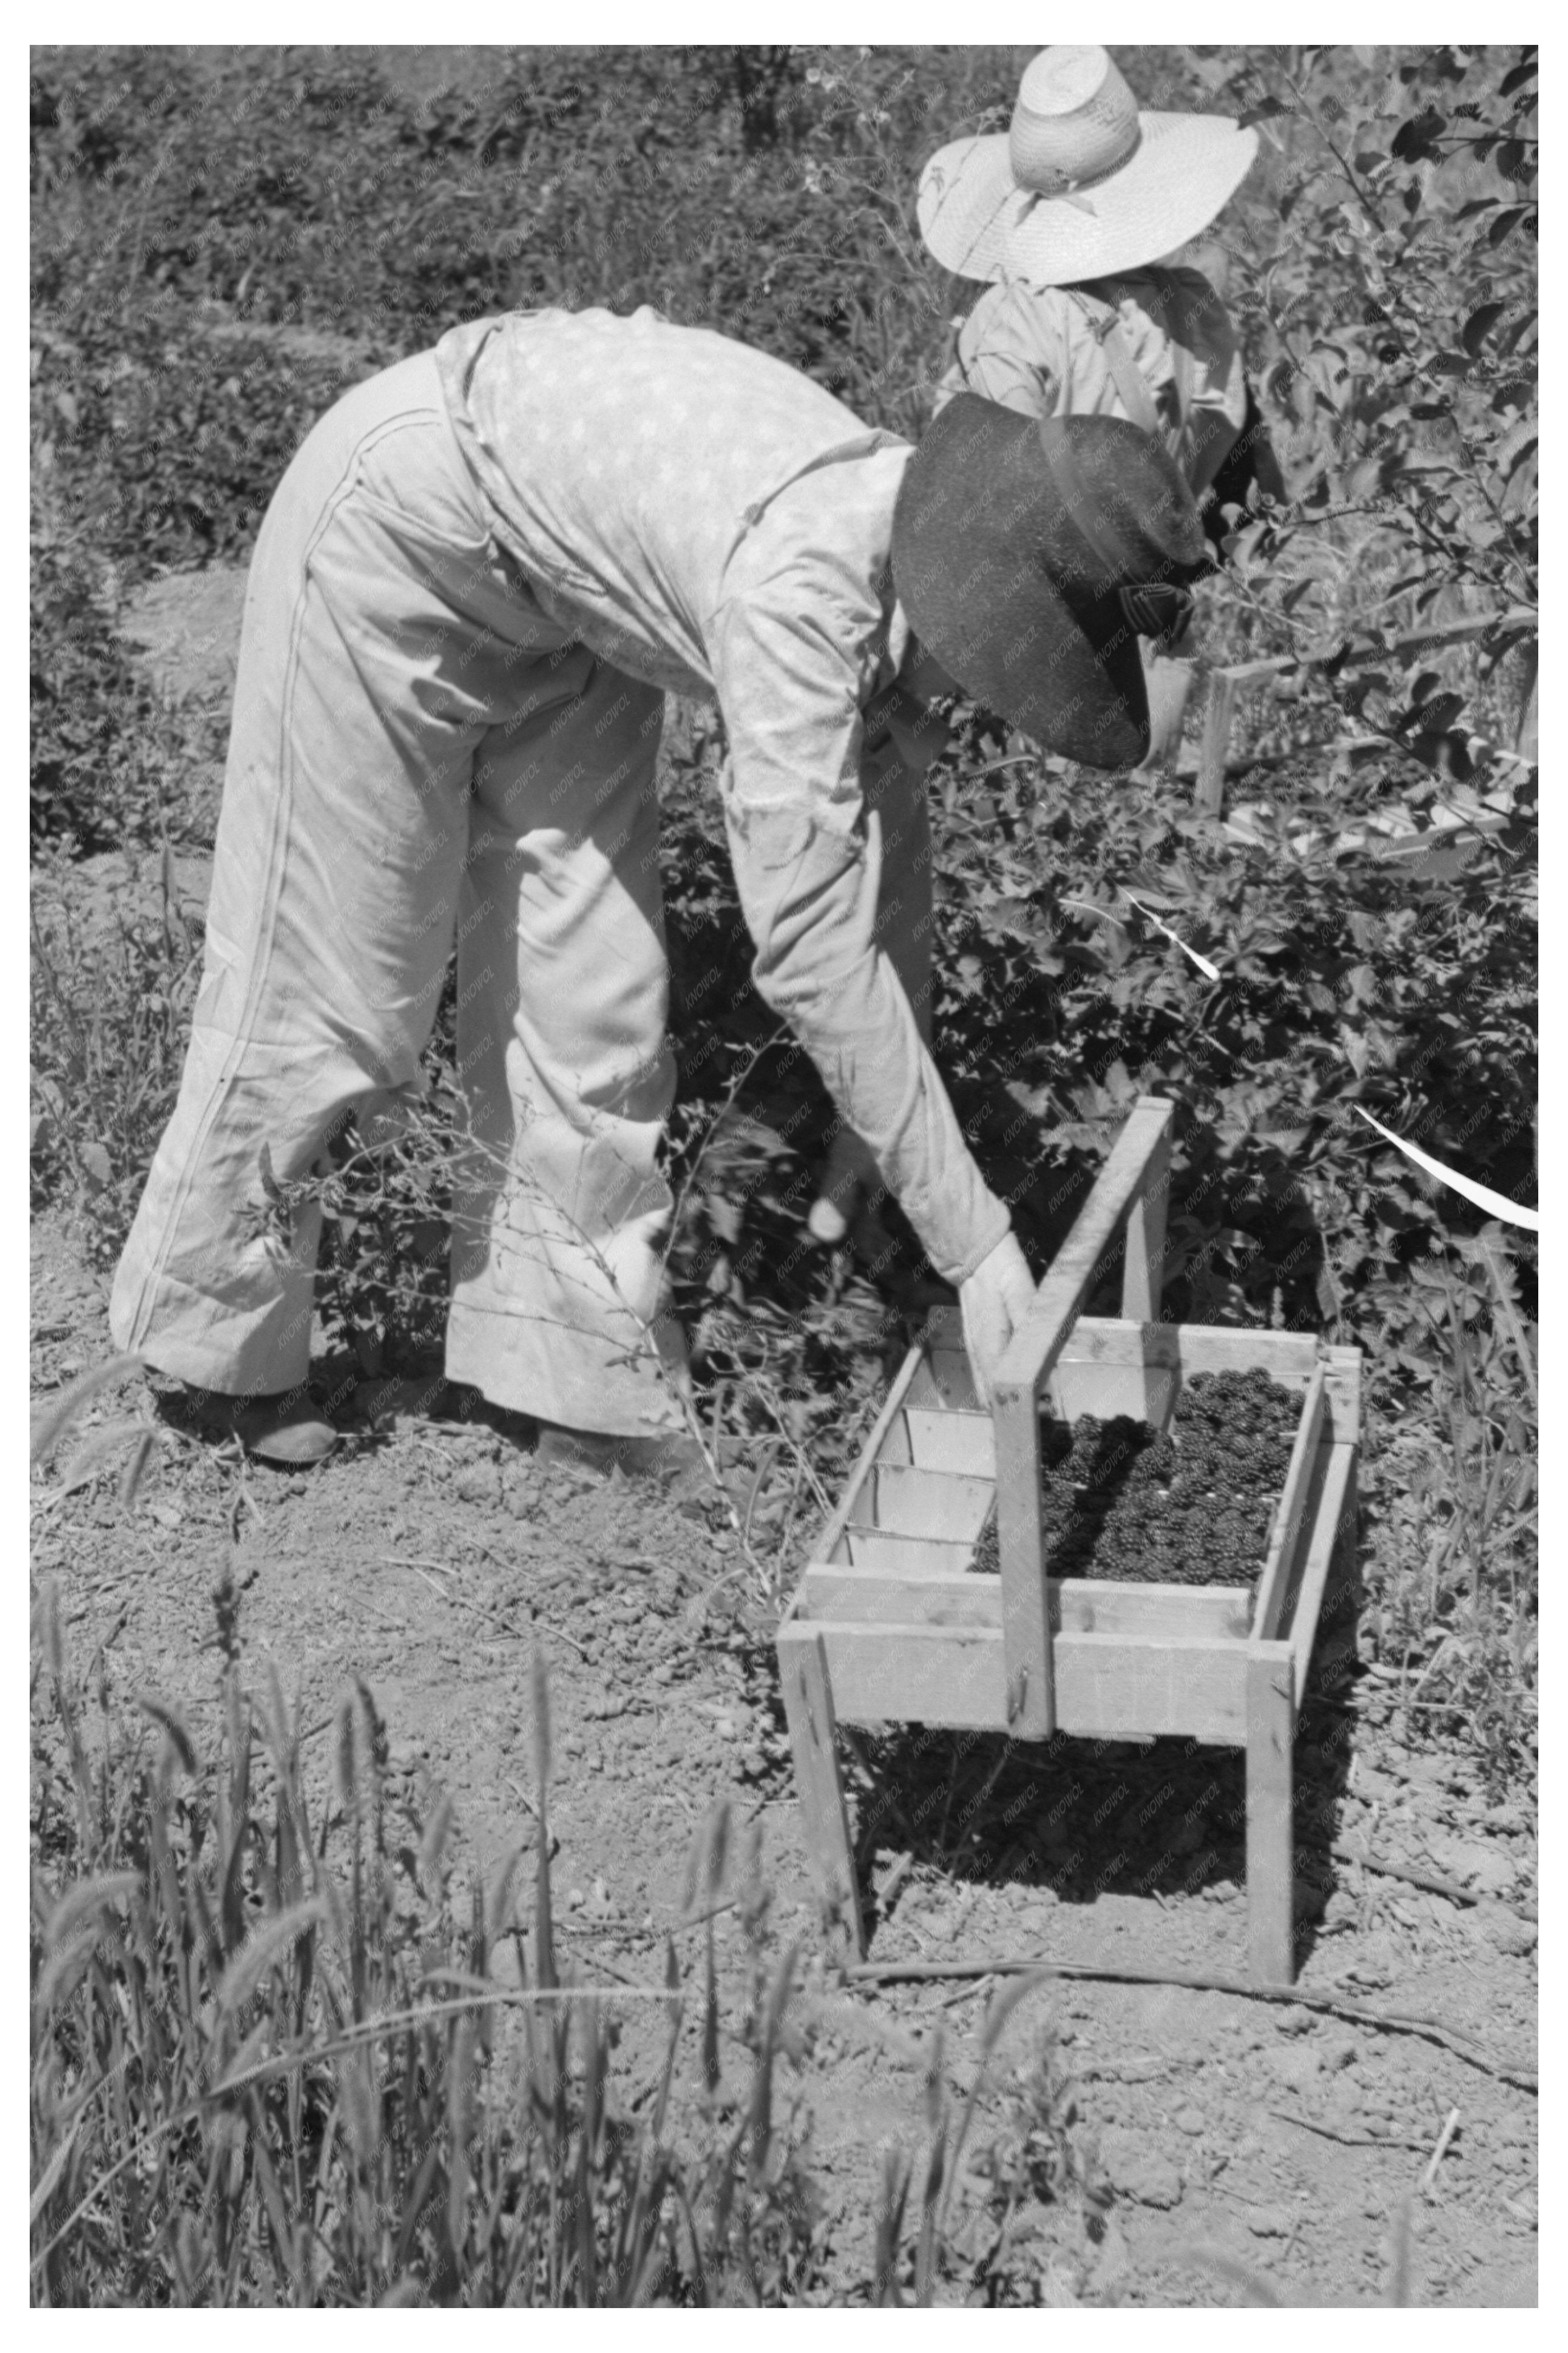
(1117, 1500)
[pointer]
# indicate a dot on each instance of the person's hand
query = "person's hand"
(848, 1182)
(993, 1302)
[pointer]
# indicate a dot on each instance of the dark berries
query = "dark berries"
(1194, 1507)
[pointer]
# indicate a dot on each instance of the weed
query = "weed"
(265, 2072)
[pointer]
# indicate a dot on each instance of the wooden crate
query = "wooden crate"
(891, 1622)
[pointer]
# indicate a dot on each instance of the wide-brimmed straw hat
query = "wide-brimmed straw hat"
(1081, 185)
(1029, 556)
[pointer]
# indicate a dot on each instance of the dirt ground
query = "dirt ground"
(433, 1554)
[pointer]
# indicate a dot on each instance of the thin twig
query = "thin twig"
(1427, 1881)
(1393, 2021)
(1450, 2126)
(1515, 1330)
(1350, 2140)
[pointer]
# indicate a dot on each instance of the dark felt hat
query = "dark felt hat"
(1029, 556)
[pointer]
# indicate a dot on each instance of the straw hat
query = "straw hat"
(1029, 556)
(1081, 185)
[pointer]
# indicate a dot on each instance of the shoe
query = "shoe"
(283, 1427)
(661, 1455)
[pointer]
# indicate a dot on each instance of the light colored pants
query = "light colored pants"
(417, 753)
(420, 753)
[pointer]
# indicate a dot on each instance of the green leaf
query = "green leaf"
(1413, 141)
(1479, 324)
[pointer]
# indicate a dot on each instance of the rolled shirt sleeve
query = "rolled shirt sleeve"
(713, 522)
(1035, 350)
(807, 863)
(1012, 349)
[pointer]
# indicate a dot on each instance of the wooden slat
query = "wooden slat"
(1040, 1338)
(1022, 1372)
(908, 1556)
(945, 1441)
(1143, 1272)
(1211, 1348)
(1021, 1376)
(831, 1539)
(944, 1382)
(1270, 1850)
(1291, 1531)
(943, 1333)
(1190, 1685)
(896, 1448)
(1146, 1392)
(1344, 1394)
(1031, 1701)
(1085, 1605)
(1108, 1687)
(918, 1674)
(1210, 793)
(804, 1679)
(947, 1597)
(870, 1596)
(1335, 1498)
(1288, 1358)
(936, 1503)
(1111, 1340)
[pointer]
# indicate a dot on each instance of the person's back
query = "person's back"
(627, 460)
(1153, 345)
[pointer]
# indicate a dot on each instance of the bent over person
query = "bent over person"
(1065, 217)
(474, 586)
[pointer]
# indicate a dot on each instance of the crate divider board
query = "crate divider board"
(891, 1622)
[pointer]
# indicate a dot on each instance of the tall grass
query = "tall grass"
(1462, 1627)
(273, 2060)
(111, 1019)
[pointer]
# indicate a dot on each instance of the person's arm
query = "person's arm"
(1009, 350)
(787, 664)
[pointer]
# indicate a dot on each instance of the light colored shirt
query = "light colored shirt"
(713, 522)
(1036, 349)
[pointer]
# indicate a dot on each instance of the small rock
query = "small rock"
(479, 1483)
(725, 1726)
(1507, 1931)
(1267, 2221)
(575, 1899)
(1375, 1966)
(1137, 2170)
(1296, 2066)
(1337, 2049)
(1296, 2020)
(1190, 2120)
(1473, 1865)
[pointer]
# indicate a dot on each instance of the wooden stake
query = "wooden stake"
(1270, 1865)
(814, 1736)
(1210, 794)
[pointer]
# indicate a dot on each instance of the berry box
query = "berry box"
(895, 1620)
